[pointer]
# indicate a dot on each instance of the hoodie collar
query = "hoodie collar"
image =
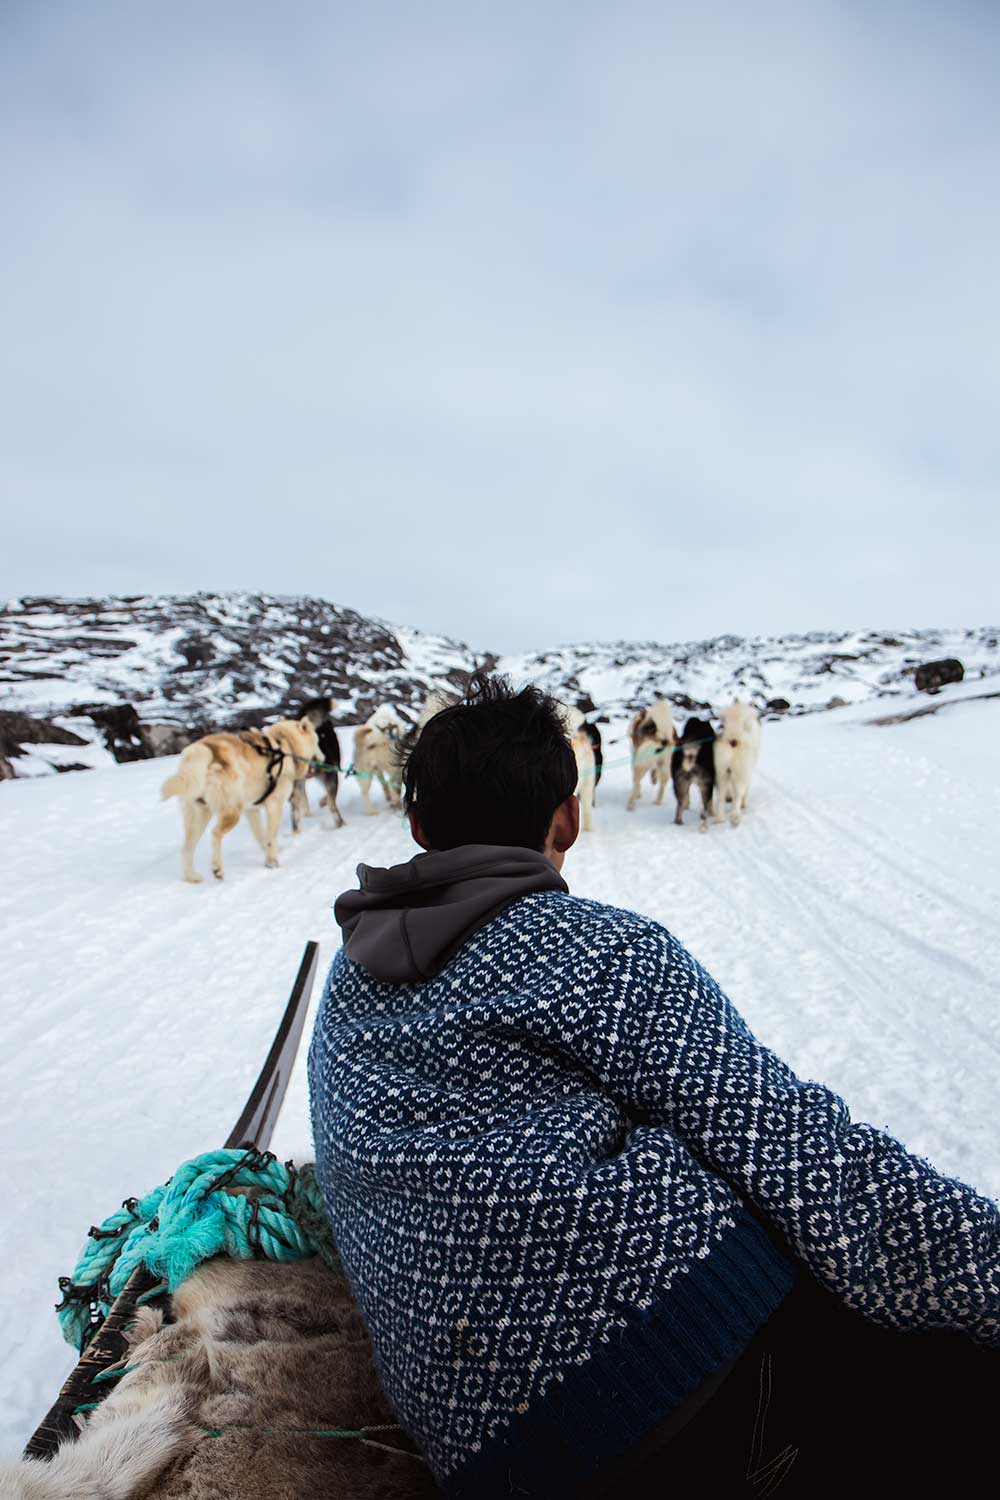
(405, 922)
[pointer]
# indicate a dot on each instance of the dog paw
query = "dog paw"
(219, 874)
(271, 864)
(193, 879)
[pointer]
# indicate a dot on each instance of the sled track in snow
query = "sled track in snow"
(820, 917)
(911, 871)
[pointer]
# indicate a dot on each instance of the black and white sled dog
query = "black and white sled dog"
(585, 705)
(318, 711)
(693, 764)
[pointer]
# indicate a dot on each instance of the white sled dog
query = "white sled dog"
(653, 737)
(437, 701)
(388, 720)
(376, 758)
(231, 774)
(735, 752)
(586, 763)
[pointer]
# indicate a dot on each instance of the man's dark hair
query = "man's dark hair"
(491, 769)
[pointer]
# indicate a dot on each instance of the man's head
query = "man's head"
(496, 768)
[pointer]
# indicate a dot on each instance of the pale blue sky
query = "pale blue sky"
(526, 323)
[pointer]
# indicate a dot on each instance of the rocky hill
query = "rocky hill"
(782, 674)
(135, 676)
(86, 680)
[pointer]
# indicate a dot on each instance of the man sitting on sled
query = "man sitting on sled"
(605, 1241)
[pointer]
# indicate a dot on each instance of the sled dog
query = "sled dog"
(735, 754)
(593, 734)
(585, 753)
(329, 754)
(230, 774)
(652, 734)
(436, 702)
(693, 764)
(388, 720)
(318, 711)
(376, 758)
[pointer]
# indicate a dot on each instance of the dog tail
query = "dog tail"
(189, 778)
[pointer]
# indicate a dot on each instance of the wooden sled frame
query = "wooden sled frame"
(253, 1128)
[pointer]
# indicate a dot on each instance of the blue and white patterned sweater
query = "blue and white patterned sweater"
(547, 1170)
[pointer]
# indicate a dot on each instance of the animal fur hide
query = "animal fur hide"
(256, 1348)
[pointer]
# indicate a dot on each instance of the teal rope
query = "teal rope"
(115, 1373)
(191, 1218)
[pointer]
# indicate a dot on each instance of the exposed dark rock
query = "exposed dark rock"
(168, 739)
(777, 705)
(691, 705)
(20, 730)
(23, 729)
(933, 675)
(120, 726)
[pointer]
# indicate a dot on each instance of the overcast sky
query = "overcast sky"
(527, 323)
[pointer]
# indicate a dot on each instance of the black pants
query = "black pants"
(822, 1401)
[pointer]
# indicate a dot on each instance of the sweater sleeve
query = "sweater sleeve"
(893, 1238)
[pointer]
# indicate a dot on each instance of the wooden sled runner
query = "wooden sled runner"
(254, 1378)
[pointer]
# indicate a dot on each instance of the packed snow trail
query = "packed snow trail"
(853, 918)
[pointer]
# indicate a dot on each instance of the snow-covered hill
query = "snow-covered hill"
(795, 673)
(143, 675)
(853, 919)
(180, 658)
(131, 677)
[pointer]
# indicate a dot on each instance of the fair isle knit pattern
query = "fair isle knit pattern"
(545, 1169)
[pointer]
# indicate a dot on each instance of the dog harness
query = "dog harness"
(275, 759)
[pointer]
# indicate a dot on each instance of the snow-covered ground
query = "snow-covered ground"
(854, 918)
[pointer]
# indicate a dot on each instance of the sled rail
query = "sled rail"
(259, 1115)
(254, 1127)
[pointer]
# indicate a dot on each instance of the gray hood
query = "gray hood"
(406, 922)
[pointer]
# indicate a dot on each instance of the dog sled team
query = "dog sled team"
(256, 772)
(720, 764)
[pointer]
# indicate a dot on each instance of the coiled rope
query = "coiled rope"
(241, 1203)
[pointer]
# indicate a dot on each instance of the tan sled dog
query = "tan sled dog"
(376, 758)
(232, 774)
